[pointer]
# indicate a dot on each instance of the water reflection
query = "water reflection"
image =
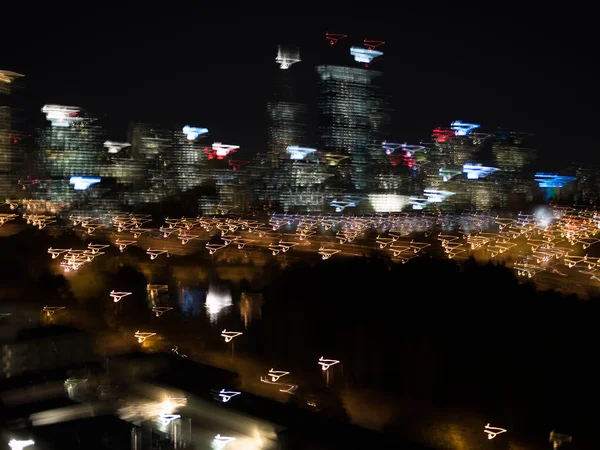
(218, 298)
(157, 294)
(250, 307)
(191, 300)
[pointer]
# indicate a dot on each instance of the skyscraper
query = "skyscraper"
(287, 111)
(11, 152)
(512, 151)
(353, 117)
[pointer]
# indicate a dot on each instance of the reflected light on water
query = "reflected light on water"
(217, 299)
(250, 307)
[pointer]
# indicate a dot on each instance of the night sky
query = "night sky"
(531, 69)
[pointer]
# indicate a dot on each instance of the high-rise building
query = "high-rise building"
(72, 144)
(287, 110)
(354, 116)
(512, 150)
(11, 151)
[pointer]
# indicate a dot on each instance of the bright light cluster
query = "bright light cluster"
(286, 57)
(364, 55)
(115, 147)
(82, 183)
(296, 152)
(61, 116)
(552, 180)
(463, 129)
(477, 171)
(192, 133)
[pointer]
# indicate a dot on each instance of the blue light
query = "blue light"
(552, 180)
(193, 132)
(364, 55)
(82, 183)
(463, 129)
(477, 171)
(297, 152)
(340, 205)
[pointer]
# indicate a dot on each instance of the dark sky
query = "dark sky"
(528, 68)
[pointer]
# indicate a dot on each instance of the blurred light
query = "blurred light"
(463, 129)
(296, 152)
(286, 57)
(19, 445)
(477, 171)
(227, 395)
(222, 441)
(327, 363)
(493, 431)
(8, 77)
(216, 301)
(437, 196)
(193, 132)
(229, 335)
(383, 203)
(166, 419)
(115, 147)
(364, 55)
(546, 180)
(223, 149)
(82, 183)
(61, 116)
(277, 374)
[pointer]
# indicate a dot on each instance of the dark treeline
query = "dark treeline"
(432, 333)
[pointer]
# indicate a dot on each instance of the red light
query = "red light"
(442, 135)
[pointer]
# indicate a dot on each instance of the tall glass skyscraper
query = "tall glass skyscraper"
(354, 116)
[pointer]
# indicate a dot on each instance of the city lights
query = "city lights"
(141, 337)
(492, 432)
(558, 440)
(552, 180)
(192, 133)
(299, 153)
(477, 171)
(277, 374)
(15, 444)
(50, 310)
(327, 363)
(82, 183)
(7, 76)
(227, 395)
(166, 419)
(364, 55)
(115, 147)
(117, 296)
(463, 129)
(222, 441)
(286, 57)
(61, 116)
(221, 150)
(229, 335)
(160, 310)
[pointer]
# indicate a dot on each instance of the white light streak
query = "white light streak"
(493, 431)
(227, 395)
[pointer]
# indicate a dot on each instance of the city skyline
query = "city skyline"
(451, 64)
